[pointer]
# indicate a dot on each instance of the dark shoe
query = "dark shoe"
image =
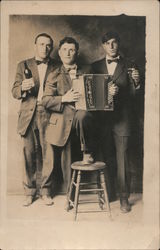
(47, 200)
(28, 201)
(125, 206)
(87, 159)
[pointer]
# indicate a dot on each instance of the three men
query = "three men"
(59, 98)
(33, 118)
(123, 89)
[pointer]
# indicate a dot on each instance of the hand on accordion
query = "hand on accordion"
(113, 89)
(71, 96)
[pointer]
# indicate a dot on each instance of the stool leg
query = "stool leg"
(77, 195)
(68, 206)
(100, 197)
(102, 179)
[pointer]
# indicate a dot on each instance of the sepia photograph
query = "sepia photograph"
(79, 125)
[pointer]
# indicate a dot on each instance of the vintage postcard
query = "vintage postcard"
(45, 47)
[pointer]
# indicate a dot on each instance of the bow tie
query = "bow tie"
(40, 62)
(113, 60)
(70, 67)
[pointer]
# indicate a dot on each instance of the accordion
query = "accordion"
(93, 89)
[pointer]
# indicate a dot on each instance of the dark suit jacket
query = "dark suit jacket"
(121, 117)
(28, 100)
(60, 123)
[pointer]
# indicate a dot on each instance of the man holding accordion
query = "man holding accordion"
(59, 99)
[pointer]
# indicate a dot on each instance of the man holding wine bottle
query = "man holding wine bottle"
(28, 87)
(125, 81)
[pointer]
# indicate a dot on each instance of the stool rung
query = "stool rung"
(91, 190)
(92, 211)
(89, 183)
(84, 202)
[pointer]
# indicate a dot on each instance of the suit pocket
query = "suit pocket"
(53, 120)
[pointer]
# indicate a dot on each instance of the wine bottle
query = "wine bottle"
(27, 71)
(28, 75)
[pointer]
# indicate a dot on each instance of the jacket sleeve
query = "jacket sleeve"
(17, 86)
(51, 98)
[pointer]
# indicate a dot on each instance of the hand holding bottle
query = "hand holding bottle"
(27, 84)
(135, 76)
(134, 73)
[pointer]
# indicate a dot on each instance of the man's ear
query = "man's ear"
(35, 48)
(59, 53)
(103, 45)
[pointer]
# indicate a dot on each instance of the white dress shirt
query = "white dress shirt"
(111, 66)
(42, 68)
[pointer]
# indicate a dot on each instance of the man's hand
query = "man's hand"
(113, 89)
(135, 76)
(71, 96)
(27, 84)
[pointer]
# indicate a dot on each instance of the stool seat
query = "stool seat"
(79, 165)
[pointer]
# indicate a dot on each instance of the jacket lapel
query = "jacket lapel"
(118, 70)
(51, 65)
(67, 82)
(81, 70)
(102, 67)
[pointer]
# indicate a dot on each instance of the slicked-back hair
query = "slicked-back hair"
(110, 35)
(68, 39)
(44, 35)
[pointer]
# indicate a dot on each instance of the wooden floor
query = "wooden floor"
(51, 227)
(57, 212)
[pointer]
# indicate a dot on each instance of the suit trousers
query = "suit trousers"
(37, 154)
(123, 171)
(82, 129)
(83, 124)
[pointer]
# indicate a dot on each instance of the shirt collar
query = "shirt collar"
(109, 58)
(46, 60)
(70, 67)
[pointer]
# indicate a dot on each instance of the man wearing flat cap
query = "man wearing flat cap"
(125, 82)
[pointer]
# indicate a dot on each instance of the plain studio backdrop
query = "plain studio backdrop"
(87, 30)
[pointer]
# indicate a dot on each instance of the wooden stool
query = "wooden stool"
(78, 167)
